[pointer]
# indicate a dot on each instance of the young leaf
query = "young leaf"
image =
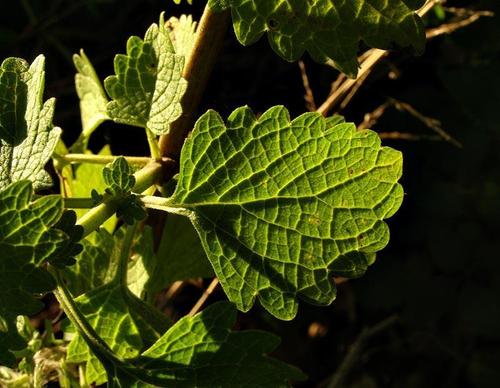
(148, 84)
(278, 203)
(120, 180)
(93, 99)
(27, 135)
(28, 239)
(119, 177)
(327, 29)
(182, 34)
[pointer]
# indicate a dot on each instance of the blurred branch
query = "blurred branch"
(344, 89)
(197, 307)
(448, 28)
(371, 119)
(309, 96)
(354, 353)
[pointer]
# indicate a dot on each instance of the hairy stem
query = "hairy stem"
(71, 309)
(209, 40)
(105, 159)
(144, 179)
(128, 239)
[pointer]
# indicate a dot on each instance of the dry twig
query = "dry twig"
(309, 96)
(204, 297)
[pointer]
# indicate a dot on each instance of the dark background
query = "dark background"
(435, 288)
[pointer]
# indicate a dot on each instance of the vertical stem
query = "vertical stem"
(128, 239)
(209, 40)
(153, 145)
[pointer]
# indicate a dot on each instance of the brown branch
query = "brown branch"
(449, 28)
(309, 96)
(429, 122)
(204, 297)
(354, 353)
(209, 39)
(367, 61)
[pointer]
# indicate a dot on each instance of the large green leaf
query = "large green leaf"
(148, 85)
(27, 135)
(327, 29)
(28, 239)
(202, 351)
(279, 205)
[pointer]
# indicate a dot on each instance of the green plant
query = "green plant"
(276, 206)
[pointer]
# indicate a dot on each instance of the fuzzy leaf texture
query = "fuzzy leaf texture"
(203, 352)
(27, 135)
(279, 205)
(120, 180)
(93, 99)
(148, 85)
(330, 30)
(29, 237)
(121, 319)
(182, 34)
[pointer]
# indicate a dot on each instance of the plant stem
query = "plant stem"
(144, 179)
(153, 145)
(79, 203)
(209, 40)
(104, 159)
(128, 239)
(163, 204)
(71, 309)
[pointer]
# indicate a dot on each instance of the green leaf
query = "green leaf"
(278, 204)
(27, 135)
(180, 255)
(120, 180)
(93, 99)
(96, 264)
(111, 311)
(28, 240)
(121, 319)
(148, 84)
(330, 30)
(119, 177)
(182, 34)
(202, 351)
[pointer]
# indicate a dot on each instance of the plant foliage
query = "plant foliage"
(327, 29)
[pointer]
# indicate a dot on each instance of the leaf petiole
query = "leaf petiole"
(104, 159)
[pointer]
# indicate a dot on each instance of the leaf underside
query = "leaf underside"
(27, 135)
(93, 99)
(148, 85)
(279, 205)
(330, 30)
